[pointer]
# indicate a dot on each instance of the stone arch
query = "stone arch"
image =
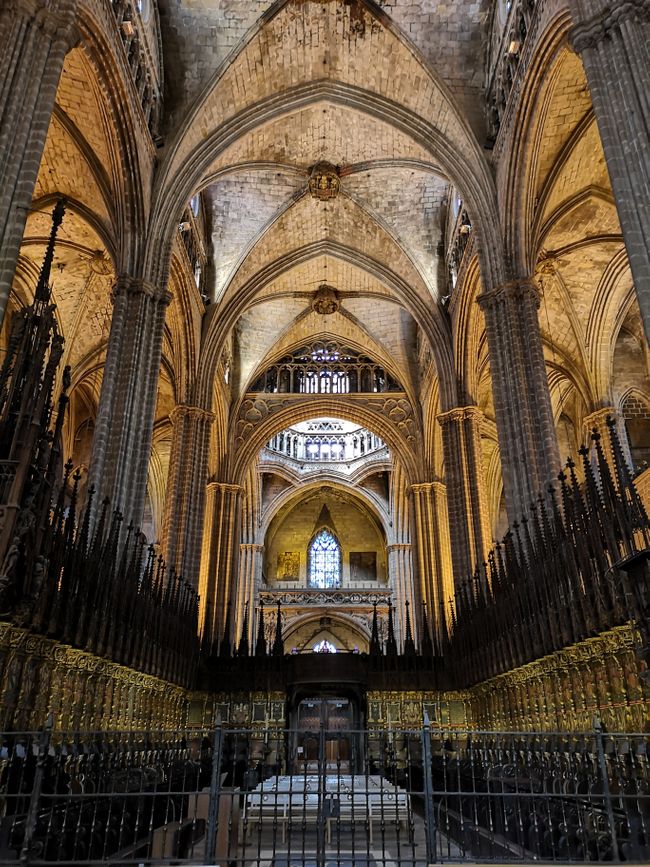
(467, 329)
(183, 326)
(47, 203)
(432, 433)
(132, 162)
(82, 277)
(633, 393)
(436, 331)
(303, 486)
(224, 112)
(353, 481)
(346, 621)
(614, 297)
(394, 432)
(518, 197)
(582, 197)
(561, 367)
(479, 193)
(281, 225)
(369, 348)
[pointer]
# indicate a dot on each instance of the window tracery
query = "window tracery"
(325, 561)
(325, 368)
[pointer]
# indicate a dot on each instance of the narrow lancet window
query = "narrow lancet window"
(325, 561)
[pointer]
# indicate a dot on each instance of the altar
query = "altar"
(343, 802)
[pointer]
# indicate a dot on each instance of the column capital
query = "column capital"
(399, 546)
(184, 410)
(460, 413)
(512, 290)
(224, 487)
(251, 546)
(428, 487)
(125, 285)
(588, 34)
(55, 19)
(598, 419)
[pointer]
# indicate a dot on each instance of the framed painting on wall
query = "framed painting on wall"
(288, 566)
(363, 565)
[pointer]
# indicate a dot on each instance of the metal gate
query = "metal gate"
(254, 797)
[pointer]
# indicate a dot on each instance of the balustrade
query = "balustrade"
(227, 794)
(190, 234)
(145, 77)
(325, 447)
(460, 235)
(507, 51)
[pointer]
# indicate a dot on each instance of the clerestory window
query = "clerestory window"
(325, 561)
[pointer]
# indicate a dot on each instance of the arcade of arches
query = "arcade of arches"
(342, 285)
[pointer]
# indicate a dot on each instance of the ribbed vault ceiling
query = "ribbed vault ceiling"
(377, 243)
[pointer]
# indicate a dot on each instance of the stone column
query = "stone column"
(400, 571)
(185, 494)
(466, 499)
(436, 585)
(249, 582)
(35, 36)
(220, 529)
(612, 37)
(522, 402)
(127, 405)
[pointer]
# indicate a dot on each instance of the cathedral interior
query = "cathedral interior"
(325, 388)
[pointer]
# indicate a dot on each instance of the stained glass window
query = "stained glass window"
(325, 561)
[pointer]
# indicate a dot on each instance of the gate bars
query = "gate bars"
(281, 797)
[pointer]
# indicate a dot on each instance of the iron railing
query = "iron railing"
(323, 796)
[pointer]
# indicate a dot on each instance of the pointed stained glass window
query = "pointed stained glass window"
(325, 561)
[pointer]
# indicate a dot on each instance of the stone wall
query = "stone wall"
(352, 525)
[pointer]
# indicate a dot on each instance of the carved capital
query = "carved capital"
(224, 488)
(55, 19)
(422, 488)
(598, 419)
(196, 413)
(460, 413)
(429, 489)
(514, 291)
(134, 286)
(588, 34)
